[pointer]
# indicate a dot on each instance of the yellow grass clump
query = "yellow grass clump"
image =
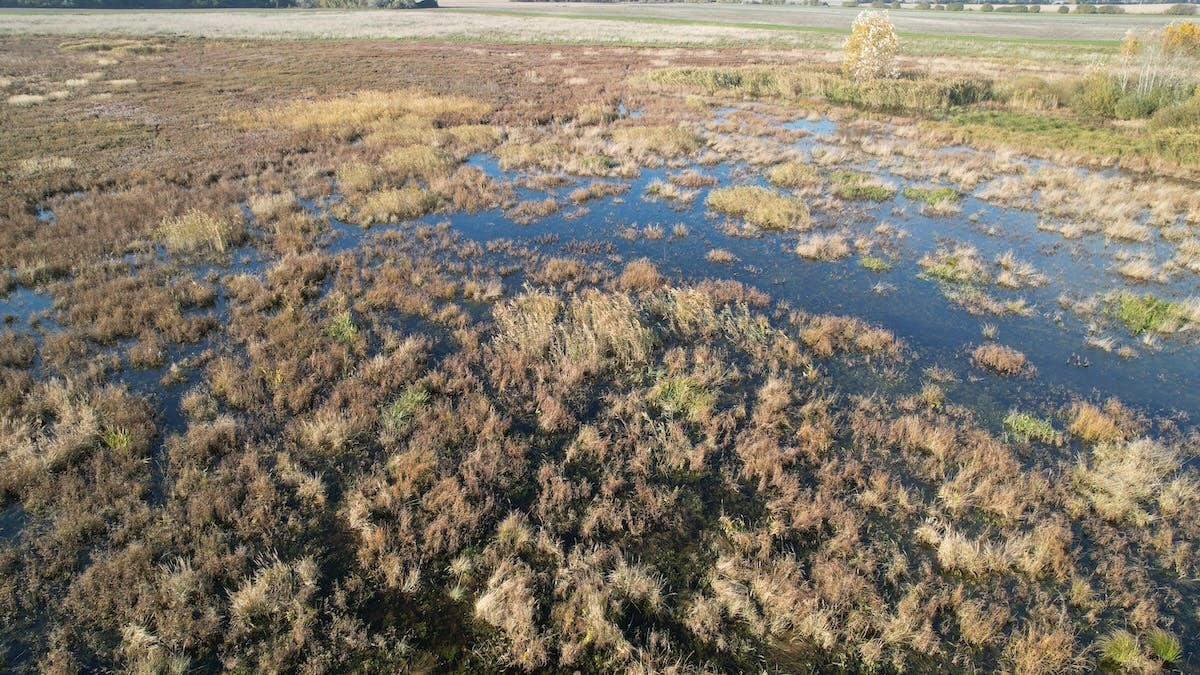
(391, 205)
(199, 231)
(367, 110)
(760, 206)
(663, 141)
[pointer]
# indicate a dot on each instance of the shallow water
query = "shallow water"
(1158, 381)
(936, 331)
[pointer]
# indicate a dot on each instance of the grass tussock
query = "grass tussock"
(640, 275)
(960, 265)
(830, 246)
(1001, 360)
(1149, 313)
(853, 186)
(1029, 427)
(197, 231)
(395, 204)
(760, 207)
(656, 141)
(1123, 482)
(793, 175)
(1093, 423)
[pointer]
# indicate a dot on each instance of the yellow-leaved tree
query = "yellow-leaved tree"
(871, 50)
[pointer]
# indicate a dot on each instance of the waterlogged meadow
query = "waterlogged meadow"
(644, 377)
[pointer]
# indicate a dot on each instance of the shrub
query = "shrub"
(1133, 106)
(871, 50)
(955, 7)
(1181, 9)
(987, 7)
(924, 5)
(1178, 115)
(1085, 9)
(1096, 95)
(1110, 9)
(1182, 37)
(1063, 9)
(1035, 9)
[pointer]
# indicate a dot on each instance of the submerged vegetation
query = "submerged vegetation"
(528, 368)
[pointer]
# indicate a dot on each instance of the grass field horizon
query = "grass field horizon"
(632, 24)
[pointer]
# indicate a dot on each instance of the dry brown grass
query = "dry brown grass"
(1001, 360)
(196, 231)
(1093, 423)
(640, 275)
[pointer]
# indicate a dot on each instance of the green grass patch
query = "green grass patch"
(1164, 646)
(1120, 648)
(684, 397)
(913, 95)
(877, 265)
(853, 186)
(1039, 132)
(931, 196)
(398, 413)
(1030, 428)
(1144, 313)
(341, 327)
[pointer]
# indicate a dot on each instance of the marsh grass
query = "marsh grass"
(1122, 480)
(853, 186)
(1164, 646)
(656, 141)
(1027, 426)
(931, 196)
(1121, 648)
(370, 110)
(793, 175)
(1001, 360)
(873, 264)
(341, 327)
(419, 162)
(830, 246)
(1093, 423)
(759, 206)
(197, 231)
(960, 265)
(392, 456)
(720, 256)
(398, 414)
(1146, 313)
(392, 205)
